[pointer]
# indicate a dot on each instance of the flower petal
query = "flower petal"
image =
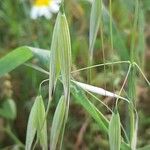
(44, 11)
(34, 12)
(54, 7)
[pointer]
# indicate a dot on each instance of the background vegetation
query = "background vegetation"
(22, 85)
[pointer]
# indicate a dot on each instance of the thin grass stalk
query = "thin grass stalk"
(145, 78)
(111, 33)
(102, 43)
(141, 37)
(9, 132)
(101, 65)
(125, 81)
(110, 25)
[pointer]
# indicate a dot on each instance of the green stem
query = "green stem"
(100, 65)
(142, 74)
(110, 25)
(132, 79)
(13, 136)
(132, 98)
(102, 43)
(125, 80)
(133, 36)
(89, 73)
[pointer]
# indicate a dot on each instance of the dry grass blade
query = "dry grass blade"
(134, 139)
(98, 90)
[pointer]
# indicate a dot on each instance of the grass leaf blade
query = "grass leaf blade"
(115, 131)
(32, 126)
(64, 52)
(42, 129)
(57, 123)
(94, 24)
(54, 65)
(19, 56)
(81, 98)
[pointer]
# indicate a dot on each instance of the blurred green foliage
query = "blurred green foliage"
(17, 29)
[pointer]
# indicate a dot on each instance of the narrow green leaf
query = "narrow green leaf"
(60, 60)
(141, 38)
(19, 56)
(81, 98)
(133, 51)
(42, 128)
(64, 52)
(131, 108)
(57, 124)
(131, 130)
(115, 132)
(100, 119)
(32, 125)
(60, 140)
(95, 19)
(35, 124)
(54, 61)
(14, 59)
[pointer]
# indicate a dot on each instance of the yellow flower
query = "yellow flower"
(44, 8)
(42, 2)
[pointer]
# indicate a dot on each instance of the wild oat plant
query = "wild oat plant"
(58, 61)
